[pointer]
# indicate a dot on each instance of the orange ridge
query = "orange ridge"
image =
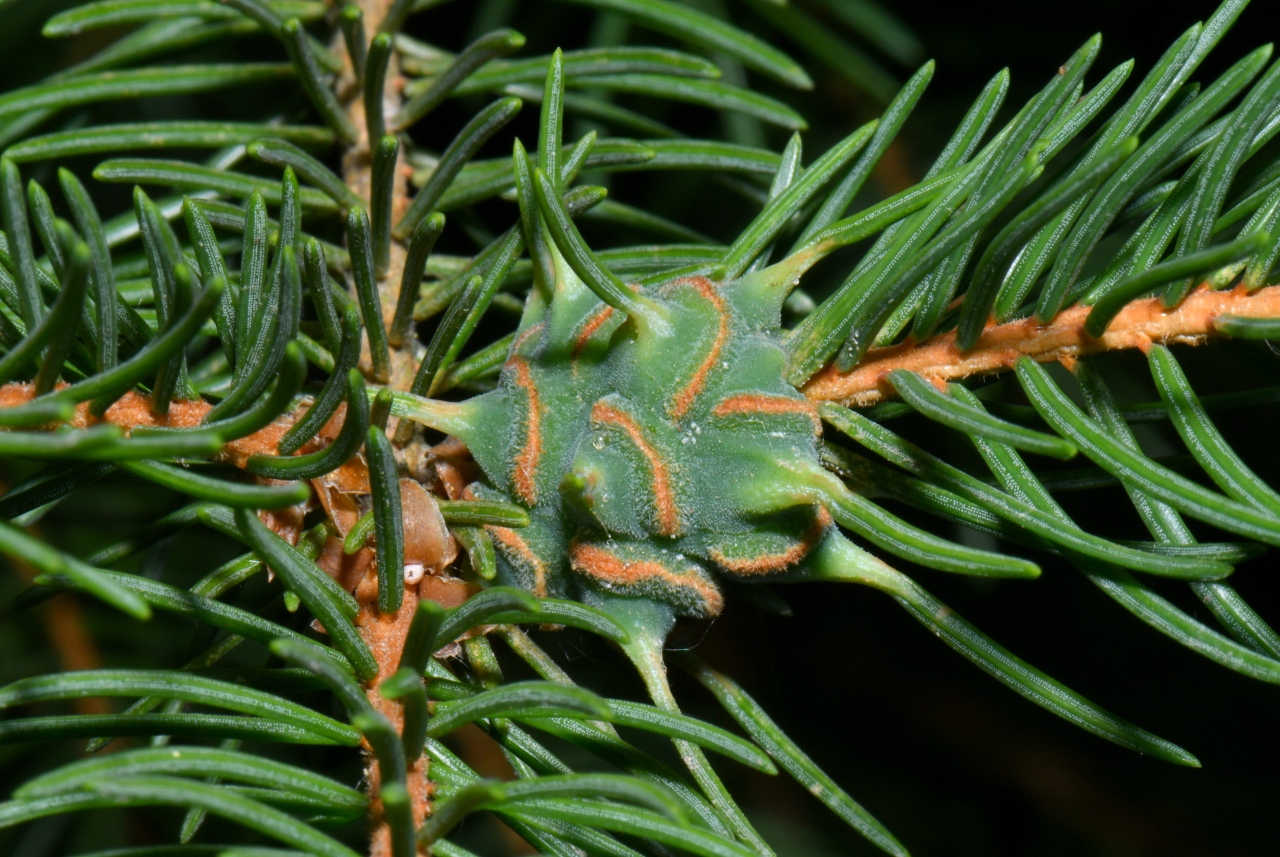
(770, 563)
(684, 400)
(605, 566)
(663, 496)
(763, 403)
(526, 462)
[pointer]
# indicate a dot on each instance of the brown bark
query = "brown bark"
(357, 172)
(385, 634)
(1139, 325)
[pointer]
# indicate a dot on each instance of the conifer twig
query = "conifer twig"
(385, 635)
(1139, 325)
(357, 173)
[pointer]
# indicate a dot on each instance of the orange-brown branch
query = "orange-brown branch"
(1138, 325)
(357, 173)
(385, 635)
(133, 410)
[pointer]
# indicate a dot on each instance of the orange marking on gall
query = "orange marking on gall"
(684, 400)
(760, 403)
(605, 566)
(525, 337)
(663, 497)
(527, 458)
(594, 323)
(521, 550)
(769, 563)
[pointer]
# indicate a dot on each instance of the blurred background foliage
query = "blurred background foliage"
(944, 757)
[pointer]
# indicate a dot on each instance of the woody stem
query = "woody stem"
(1138, 325)
(384, 634)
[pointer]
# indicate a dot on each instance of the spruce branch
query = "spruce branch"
(1141, 324)
(562, 497)
(369, 96)
(356, 95)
